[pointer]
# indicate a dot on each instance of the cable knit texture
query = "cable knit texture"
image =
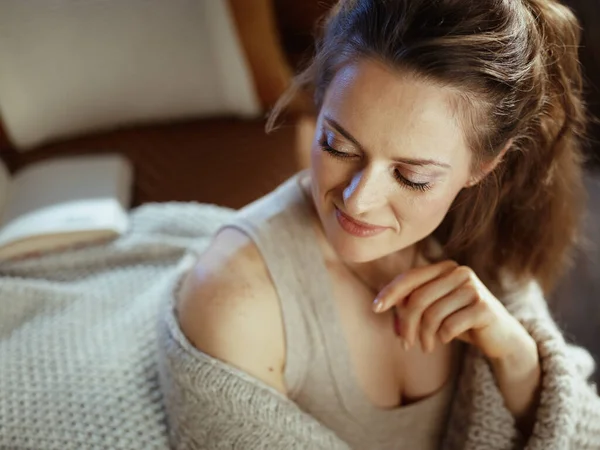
(212, 405)
(78, 335)
(85, 366)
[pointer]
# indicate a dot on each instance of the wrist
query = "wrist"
(521, 361)
(518, 375)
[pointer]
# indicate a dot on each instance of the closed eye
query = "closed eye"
(335, 153)
(411, 184)
(405, 182)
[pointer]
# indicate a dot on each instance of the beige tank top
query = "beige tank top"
(318, 372)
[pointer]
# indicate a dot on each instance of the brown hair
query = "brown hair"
(515, 64)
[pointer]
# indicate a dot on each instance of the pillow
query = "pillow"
(72, 67)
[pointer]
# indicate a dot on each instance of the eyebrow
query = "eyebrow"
(411, 161)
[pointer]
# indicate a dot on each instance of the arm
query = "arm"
(566, 414)
(519, 379)
(216, 357)
(211, 405)
(516, 351)
(228, 309)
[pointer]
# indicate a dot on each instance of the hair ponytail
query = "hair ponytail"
(526, 214)
(516, 64)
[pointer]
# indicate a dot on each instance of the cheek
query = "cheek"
(327, 172)
(428, 210)
(316, 159)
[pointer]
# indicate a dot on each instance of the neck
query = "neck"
(378, 273)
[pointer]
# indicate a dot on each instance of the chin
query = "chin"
(358, 250)
(355, 254)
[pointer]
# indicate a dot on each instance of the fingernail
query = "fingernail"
(377, 305)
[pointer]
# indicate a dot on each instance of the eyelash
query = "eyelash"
(333, 152)
(411, 184)
(397, 175)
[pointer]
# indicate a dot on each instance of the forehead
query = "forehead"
(395, 112)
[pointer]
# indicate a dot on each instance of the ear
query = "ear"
(488, 167)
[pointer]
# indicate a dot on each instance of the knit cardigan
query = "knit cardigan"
(80, 354)
(211, 405)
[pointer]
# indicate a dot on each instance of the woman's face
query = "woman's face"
(387, 161)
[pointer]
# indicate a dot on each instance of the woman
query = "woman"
(392, 295)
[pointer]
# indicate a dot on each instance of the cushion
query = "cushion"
(225, 161)
(71, 67)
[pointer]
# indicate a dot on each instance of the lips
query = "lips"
(355, 227)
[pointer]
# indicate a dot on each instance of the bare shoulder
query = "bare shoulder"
(228, 308)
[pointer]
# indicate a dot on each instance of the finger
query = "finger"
(461, 321)
(439, 311)
(404, 284)
(412, 308)
(398, 329)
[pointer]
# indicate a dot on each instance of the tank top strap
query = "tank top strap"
(279, 224)
(318, 373)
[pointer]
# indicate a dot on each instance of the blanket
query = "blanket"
(215, 406)
(91, 357)
(78, 335)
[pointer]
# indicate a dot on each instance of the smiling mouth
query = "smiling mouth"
(356, 227)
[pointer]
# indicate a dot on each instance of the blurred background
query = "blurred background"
(181, 88)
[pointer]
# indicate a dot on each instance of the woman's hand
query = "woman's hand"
(445, 301)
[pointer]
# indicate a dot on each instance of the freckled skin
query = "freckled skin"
(388, 152)
(392, 115)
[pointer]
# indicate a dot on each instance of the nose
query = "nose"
(367, 191)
